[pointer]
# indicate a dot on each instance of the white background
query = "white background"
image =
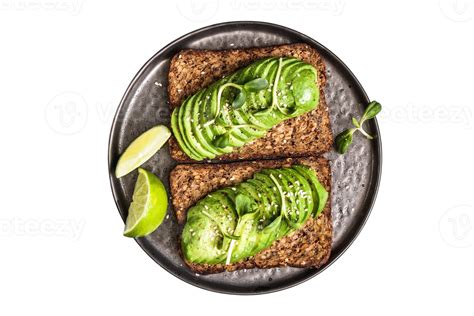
(66, 63)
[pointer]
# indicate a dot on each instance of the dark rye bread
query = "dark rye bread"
(310, 246)
(309, 134)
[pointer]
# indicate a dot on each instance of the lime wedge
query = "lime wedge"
(142, 149)
(149, 205)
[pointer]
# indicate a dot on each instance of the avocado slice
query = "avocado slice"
(177, 135)
(200, 241)
(238, 135)
(265, 219)
(210, 131)
(177, 131)
(305, 93)
(215, 213)
(321, 193)
(191, 124)
(188, 139)
(302, 193)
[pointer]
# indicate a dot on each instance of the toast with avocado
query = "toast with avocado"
(255, 214)
(248, 104)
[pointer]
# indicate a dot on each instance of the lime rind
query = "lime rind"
(148, 207)
(142, 149)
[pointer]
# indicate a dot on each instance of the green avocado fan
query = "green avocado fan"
(234, 223)
(242, 107)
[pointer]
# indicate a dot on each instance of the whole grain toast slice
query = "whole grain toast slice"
(309, 134)
(309, 246)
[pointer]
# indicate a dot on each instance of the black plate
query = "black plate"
(356, 175)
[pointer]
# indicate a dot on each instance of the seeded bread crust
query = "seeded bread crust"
(309, 134)
(309, 246)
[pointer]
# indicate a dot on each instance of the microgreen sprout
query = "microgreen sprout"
(344, 139)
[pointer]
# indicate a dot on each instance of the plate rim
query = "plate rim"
(370, 202)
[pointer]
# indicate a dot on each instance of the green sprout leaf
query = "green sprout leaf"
(355, 122)
(220, 120)
(256, 85)
(371, 111)
(243, 204)
(344, 140)
(222, 140)
(239, 99)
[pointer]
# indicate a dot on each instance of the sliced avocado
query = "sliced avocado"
(302, 192)
(224, 122)
(189, 141)
(243, 115)
(194, 123)
(265, 216)
(247, 231)
(228, 115)
(191, 124)
(272, 192)
(310, 177)
(322, 194)
(295, 218)
(221, 209)
(305, 92)
(177, 134)
(242, 220)
(257, 101)
(200, 239)
(210, 131)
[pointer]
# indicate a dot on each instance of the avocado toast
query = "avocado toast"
(221, 207)
(305, 133)
(307, 246)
